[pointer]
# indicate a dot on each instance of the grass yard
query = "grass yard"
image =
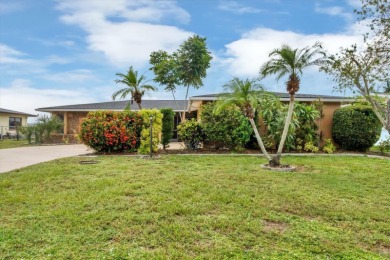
(12, 143)
(184, 207)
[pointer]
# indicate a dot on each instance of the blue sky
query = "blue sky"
(61, 52)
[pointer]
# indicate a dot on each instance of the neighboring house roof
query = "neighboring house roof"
(178, 105)
(285, 97)
(7, 111)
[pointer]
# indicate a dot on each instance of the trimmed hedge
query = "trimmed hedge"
(109, 131)
(144, 147)
(167, 125)
(356, 127)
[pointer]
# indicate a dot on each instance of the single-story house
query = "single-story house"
(9, 119)
(72, 114)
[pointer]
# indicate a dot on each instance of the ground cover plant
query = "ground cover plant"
(185, 207)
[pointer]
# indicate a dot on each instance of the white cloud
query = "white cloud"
(334, 11)
(131, 43)
(21, 96)
(246, 55)
(130, 10)
(354, 3)
(79, 75)
(124, 31)
(9, 55)
(234, 7)
(54, 42)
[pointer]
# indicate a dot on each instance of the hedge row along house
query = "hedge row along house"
(73, 114)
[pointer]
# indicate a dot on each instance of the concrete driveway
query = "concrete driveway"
(15, 158)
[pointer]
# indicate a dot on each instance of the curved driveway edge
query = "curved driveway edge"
(15, 158)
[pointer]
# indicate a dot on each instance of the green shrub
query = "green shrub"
(28, 131)
(49, 125)
(306, 115)
(384, 145)
(229, 128)
(329, 146)
(42, 129)
(191, 132)
(302, 128)
(355, 127)
(109, 131)
(157, 116)
(310, 147)
(167, 126)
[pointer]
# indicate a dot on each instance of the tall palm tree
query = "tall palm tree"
(291, 62)
(134, 85)
(246, 95)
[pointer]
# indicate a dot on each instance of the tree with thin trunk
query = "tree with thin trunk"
(136, 86)
(245, 94)
(187, 66)
(288, 61)
(366, 69)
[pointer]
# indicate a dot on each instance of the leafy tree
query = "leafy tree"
(377, 14)
(361, 72)
(167, 126)
(187, 66)
(291, 62)
(246, 95)
(193, 60)
(365, 70)
(134, 85)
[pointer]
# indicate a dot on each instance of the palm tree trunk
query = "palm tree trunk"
(285, 130)
(259, 140)
(139, 105)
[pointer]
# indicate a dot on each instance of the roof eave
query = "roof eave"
(88, 110)
(283, 99)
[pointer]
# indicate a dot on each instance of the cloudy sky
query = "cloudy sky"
(61, 52)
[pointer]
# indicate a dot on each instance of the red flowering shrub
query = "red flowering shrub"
(109, 131)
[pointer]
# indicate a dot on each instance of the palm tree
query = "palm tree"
(134, 85)
(246, 95)
(288, 61)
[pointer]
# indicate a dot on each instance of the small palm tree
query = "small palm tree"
(246, 95)
(135, 86)
(291, 62)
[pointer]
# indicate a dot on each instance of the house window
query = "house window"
(14, 121)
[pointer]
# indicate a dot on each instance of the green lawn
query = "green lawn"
(184, 207)
(12, 143)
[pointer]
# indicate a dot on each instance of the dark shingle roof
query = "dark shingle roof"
(178, 105)
(7, 111)
(281, 95)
